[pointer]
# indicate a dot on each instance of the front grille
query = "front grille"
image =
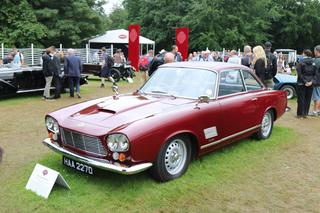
(83, 142)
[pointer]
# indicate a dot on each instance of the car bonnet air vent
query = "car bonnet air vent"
(107, 111)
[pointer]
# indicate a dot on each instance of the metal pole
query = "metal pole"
(32, 55)
(141, 49)
(2, 50)
(60, 47)
(154, 49)
(147, 48)
(87, 53)
(111, 53)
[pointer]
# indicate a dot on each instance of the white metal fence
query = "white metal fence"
(32, 56)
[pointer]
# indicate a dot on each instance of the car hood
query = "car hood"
(110, 115)
(285, 78)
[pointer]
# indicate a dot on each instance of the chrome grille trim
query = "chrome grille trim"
(83, 142)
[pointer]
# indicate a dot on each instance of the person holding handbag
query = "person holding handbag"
(306, 70)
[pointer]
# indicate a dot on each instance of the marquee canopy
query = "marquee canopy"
(118, 37)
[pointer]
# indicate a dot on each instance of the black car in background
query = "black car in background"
(26, 79)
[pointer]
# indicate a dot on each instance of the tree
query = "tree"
(19, 25)
(69, 22)
(231, 24)
(118, 19)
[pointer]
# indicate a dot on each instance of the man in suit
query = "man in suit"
(47, 74)
(55, 69)
(72, 68)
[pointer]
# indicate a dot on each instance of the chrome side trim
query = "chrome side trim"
(32, 90)
(229, 137)
(101, 164)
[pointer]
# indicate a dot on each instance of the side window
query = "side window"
(230, 82)
(250, 81)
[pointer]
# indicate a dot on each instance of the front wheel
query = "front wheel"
(173, 159)
(115, 74)
(266, 126)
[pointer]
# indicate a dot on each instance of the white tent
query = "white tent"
(120, 36)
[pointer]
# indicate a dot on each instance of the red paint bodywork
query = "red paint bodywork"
(150, 120)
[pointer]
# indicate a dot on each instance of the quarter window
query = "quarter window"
(230, 82)
(250, 81)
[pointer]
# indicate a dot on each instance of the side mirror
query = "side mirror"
(203, 99)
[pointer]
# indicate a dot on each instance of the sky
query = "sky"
(110, 5)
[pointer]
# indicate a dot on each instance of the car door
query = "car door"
(237, 105)
(254, 89)
(206, 111)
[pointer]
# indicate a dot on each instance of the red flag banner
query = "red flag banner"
(134, 44)
(182, 41)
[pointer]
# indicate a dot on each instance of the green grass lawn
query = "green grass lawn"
(109, 192)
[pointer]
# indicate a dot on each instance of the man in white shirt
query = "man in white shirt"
(234, 58)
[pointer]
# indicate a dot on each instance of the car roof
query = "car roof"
(215, 66)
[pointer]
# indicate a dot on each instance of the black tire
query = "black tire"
(179, 150)
(291, 91)
(115, 74)
(266, 126)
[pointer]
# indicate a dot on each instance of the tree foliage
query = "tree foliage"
(213, 23)
(18, 24)
(231, 24)
(51, 22)
(69, 22)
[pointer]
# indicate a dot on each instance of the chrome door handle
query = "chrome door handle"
(254, 99)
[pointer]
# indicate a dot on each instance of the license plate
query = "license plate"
(77, 165)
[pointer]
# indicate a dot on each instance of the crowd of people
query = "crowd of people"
(15, 58)
(263, 62)
(260, 58)
(52, 63)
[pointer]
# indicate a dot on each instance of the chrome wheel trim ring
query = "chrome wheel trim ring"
(175, 156)
(266, 124)
(289, 92)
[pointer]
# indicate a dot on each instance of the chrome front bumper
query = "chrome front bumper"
(96, 163)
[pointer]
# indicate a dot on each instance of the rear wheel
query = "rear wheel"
(266, 125)
(173, 159)
(290, 90)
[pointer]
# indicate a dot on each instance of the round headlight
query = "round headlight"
(123, 144)
(49, 122)
(112, 143)
(52, 125)
(118, 143)
(55, 127)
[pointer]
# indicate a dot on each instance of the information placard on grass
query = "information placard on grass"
(43, 179)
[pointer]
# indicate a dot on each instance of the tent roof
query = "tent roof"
(118, 37)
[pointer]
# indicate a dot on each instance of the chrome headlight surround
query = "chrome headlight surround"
(51, 124)
(118, 142)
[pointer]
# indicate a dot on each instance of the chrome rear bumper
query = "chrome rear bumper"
(104, 165)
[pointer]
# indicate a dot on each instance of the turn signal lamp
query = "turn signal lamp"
(50, 135)
(122, 157)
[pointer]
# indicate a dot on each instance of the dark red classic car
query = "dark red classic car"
(183, 111)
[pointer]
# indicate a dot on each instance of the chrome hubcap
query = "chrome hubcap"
(289, 93)
(175, 157)
(266, 124)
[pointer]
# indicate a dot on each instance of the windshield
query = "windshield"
(181, 82)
